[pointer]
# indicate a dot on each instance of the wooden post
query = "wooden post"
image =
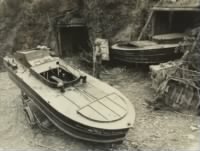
(94, 60)
(146, 25)
(59, 44)
(153, 24)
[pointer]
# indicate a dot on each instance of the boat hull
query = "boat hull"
(77, 103)
(65, 124)
(146, 55)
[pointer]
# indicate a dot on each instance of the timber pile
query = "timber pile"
(178, 83)
(159, 73)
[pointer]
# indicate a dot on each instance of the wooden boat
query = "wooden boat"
(170, 38)
(147, 52)
(75, 102)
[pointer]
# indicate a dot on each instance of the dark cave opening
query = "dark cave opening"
(73, 40)
(175, 21)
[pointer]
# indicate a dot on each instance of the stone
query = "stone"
(194, 128)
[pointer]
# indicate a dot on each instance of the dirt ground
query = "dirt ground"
(25, 24)
(153, 130)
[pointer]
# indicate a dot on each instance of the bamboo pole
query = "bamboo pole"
(146, 25)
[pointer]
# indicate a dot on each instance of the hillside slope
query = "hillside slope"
(26, 24)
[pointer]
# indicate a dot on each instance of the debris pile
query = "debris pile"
(178, 83)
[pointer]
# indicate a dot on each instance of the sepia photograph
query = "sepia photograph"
(100, 75)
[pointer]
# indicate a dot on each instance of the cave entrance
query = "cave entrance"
(174, 20)
(73, 38)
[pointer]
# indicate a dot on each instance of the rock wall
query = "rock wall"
(117, 20)
(26, 23)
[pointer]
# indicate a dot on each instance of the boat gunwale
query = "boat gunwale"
(59, 114)
(54, 84)
(131, 118)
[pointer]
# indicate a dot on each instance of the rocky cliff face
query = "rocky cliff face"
(117, 20)
(26, 24)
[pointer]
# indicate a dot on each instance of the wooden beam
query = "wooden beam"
(59, 43)
(175, 9)
(146, 25)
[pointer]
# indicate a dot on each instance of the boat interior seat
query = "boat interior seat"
(60, 82)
